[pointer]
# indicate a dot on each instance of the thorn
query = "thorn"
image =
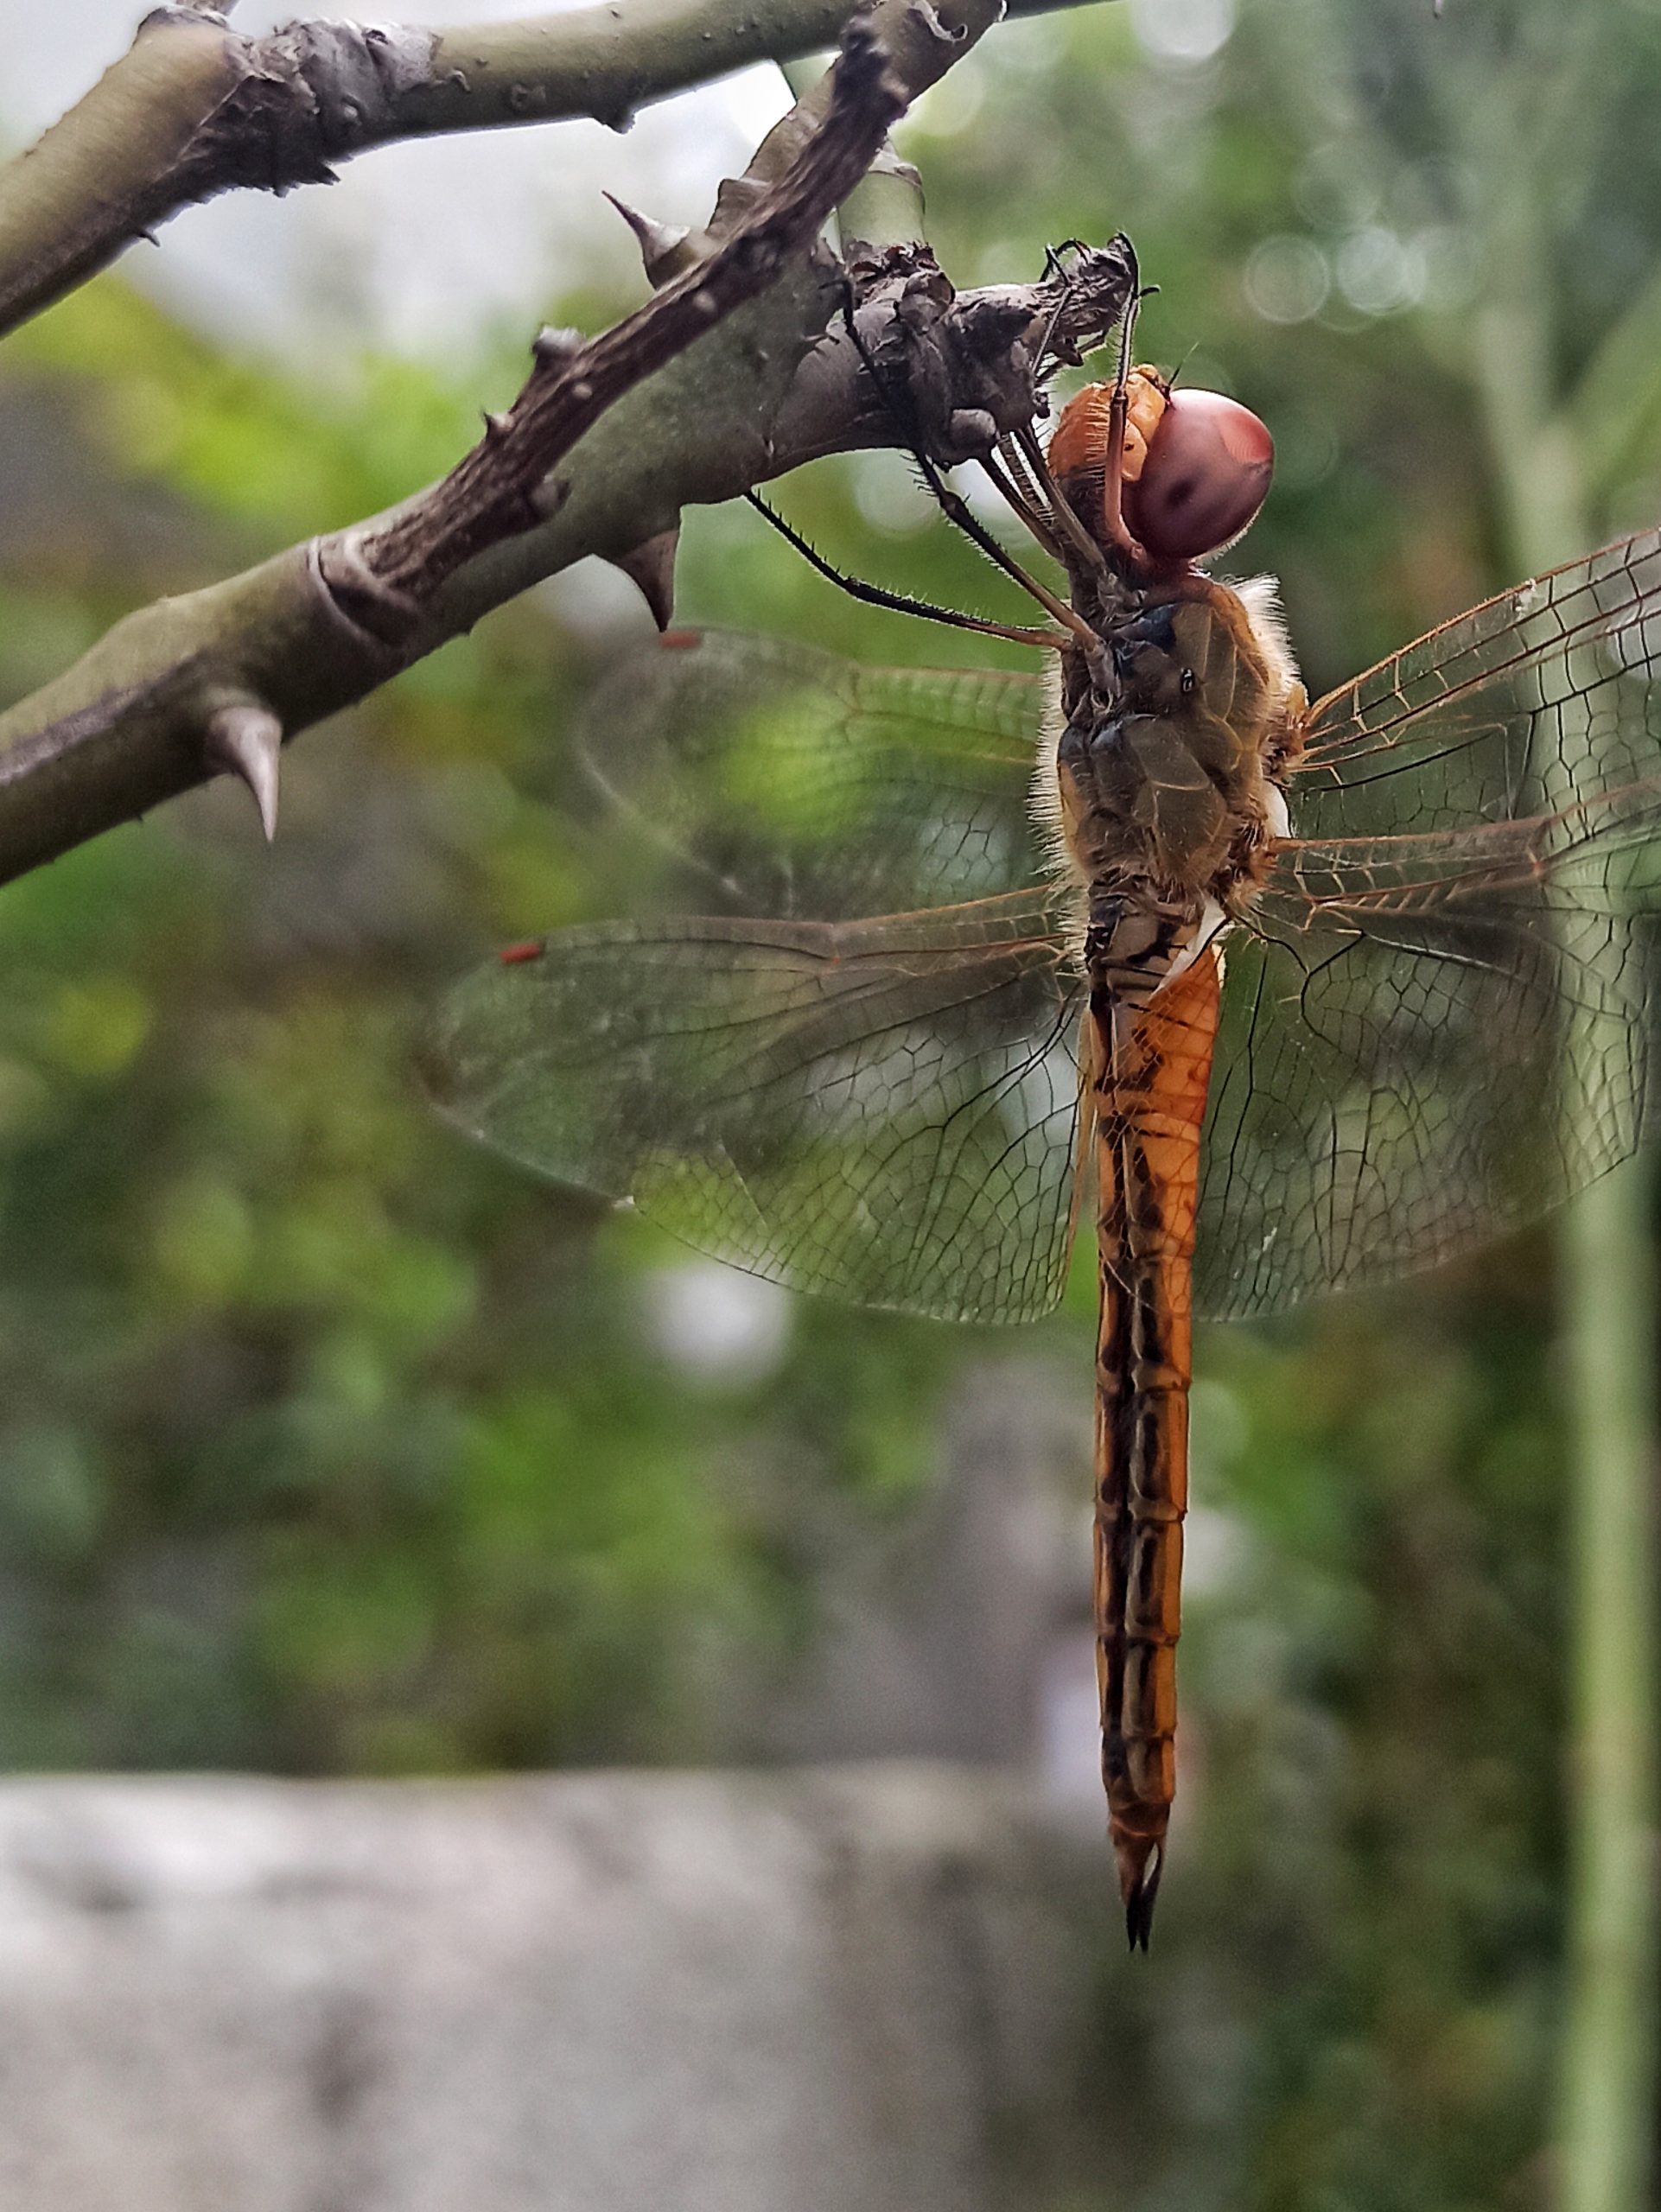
(495, 425)
(247, 740)
(660, 242)
(652, 566)
(554, 348)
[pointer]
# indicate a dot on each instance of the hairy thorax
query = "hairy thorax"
(1165, 778)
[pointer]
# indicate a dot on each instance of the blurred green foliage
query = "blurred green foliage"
(330, 1445)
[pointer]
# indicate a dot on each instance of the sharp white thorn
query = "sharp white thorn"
(652, 566)
(659, 242)
(247, 740)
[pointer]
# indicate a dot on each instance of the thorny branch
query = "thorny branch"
(494, 491)
(759, 375)
(195, 108)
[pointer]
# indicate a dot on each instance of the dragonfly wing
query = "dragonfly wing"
(749, 775)
(1545, 693)
(1446, 1023)
(1426, 1041)
(883, 1111)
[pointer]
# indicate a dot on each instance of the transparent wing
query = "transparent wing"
(883, 1111)
(1446, 1023)
(1542, 695)
(759, 776)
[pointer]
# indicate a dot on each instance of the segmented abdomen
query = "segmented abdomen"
(1149, 1073)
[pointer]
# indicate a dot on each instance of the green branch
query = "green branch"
(1609, 1298)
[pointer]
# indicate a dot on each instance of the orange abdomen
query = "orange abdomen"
(1150, 1076)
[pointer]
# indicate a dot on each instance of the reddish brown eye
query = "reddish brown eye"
(1206, 476)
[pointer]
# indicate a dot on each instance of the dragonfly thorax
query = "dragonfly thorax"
(1163, 768)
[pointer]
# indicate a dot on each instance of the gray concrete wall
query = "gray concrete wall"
(829, 1991)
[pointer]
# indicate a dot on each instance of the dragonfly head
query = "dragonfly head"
(1192, 469)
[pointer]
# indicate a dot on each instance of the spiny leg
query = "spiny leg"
(898, 602)
(956, 510)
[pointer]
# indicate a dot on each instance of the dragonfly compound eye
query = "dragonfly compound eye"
(1206, 474)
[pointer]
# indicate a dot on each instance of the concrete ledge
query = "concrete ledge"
(819, 1990)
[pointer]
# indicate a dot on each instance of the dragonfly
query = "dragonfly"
(1280, 998)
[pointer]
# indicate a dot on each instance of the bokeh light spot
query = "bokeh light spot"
(1379, 273)
(1182, 30)
(717, 1323)
(1287, 279)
